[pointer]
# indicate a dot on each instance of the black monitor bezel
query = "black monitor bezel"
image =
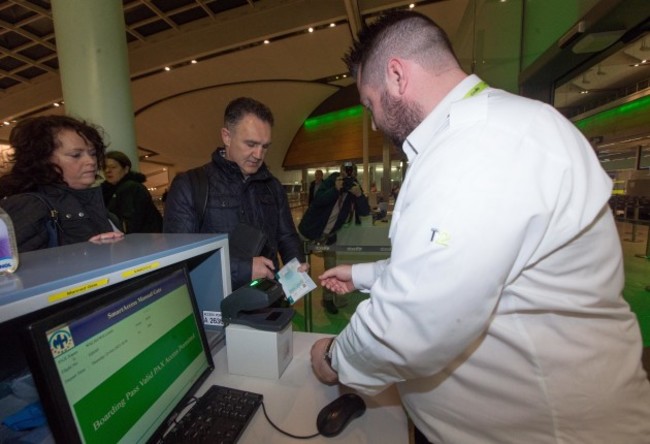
(60, 417)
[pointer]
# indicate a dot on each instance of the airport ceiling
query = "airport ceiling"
(179, 111)
(188, 58)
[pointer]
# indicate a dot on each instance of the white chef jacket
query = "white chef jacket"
(499, 314)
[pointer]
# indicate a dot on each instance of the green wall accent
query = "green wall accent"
(629, 115)
(545, 21)
(314, 122)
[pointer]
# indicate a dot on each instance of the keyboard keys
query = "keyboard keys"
(219, 416)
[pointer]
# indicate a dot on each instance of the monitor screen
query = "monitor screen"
(116, 366)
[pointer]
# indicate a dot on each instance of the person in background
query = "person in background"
(127, 198)
(241, 189)
(337, 199)
(314, 185)
(496, 326)
(53, 182)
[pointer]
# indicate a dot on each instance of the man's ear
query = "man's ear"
(225, 136)
(396, 76)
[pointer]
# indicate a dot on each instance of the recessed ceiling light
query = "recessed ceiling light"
(332, 25)
(311, 29)
(167, 68)
(266, 42)
(193, 62)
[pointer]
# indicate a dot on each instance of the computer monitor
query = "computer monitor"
(117, 366)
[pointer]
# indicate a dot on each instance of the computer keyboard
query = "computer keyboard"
(218, 417)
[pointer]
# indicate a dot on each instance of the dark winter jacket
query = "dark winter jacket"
(259, 201)
(131, 202)
(81, 215)
(315, 219)
(312, 191)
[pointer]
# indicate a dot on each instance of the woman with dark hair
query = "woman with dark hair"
(50, 193)
(127, 198)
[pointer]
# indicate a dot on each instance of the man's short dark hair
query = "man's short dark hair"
(242, 106)
(401, 33)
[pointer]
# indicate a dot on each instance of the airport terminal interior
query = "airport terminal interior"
(161, 89)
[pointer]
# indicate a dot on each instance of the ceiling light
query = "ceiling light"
(167, 68)
(56, 104)
(412, 5)
(6, 123)
(266, 42)
(193, 62)
(311, 29)
(332, 25)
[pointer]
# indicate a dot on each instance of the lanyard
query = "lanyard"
(480, 86)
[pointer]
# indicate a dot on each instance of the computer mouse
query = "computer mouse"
(336, 415)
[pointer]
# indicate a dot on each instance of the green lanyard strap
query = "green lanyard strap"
(480, 86)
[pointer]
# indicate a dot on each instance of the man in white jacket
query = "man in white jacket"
(499, 314)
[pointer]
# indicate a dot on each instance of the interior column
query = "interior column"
(94, 68)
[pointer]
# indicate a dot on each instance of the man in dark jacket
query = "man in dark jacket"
(241, 190)
(333, 203)
(314, 185)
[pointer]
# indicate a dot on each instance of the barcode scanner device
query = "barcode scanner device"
(251, 305)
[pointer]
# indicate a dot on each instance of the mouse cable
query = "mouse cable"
(282, 431)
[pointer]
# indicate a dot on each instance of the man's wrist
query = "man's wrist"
(328, 352)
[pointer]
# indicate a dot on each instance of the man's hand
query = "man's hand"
(356, 190)
(107, 238)
(262, 268)
(322, 369)
(338, 279)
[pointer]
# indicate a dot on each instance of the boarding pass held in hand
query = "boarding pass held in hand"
(295, 283)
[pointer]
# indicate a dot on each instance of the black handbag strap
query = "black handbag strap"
(199, 184)
(52, 224)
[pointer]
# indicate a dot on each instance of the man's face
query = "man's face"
(392, 115)
(247, 143)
